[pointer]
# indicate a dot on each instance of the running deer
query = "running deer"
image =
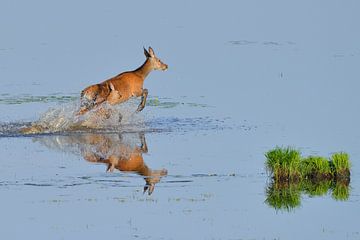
(124, 157)
(121, 87)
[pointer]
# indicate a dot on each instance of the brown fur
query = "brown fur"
(121, 87)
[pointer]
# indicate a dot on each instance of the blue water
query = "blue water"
(244, 77)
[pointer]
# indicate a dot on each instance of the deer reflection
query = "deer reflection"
(122, 152)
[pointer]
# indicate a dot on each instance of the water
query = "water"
(244, 77)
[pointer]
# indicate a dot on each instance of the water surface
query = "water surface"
(244, 77)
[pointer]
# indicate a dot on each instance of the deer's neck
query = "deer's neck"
(144, 69)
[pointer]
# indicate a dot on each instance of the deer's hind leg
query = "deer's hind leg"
(91, 97)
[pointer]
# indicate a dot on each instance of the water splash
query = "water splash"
(64, 118)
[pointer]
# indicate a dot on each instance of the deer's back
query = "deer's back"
(127, 83)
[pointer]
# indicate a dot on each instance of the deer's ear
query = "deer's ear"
(146, 53)
(151, 51)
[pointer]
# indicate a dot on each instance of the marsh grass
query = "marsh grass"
(284, 163)
(315, 167)
(293, 175)
(340, 163)
(287, 164)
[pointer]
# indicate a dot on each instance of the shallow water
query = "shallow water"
(259, 74)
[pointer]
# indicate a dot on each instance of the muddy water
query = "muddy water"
(243, 77)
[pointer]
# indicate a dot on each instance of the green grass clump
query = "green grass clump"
(283, 162)
(340, 163)
(286, 164)
(315, 167)
(314, 175)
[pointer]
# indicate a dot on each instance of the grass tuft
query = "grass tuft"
(313, 175)
(286, 164)
(340, 163)
(283, 162)
(315, 167)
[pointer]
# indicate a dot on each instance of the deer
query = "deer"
(118, 155)
(122, 87)
(114, 91)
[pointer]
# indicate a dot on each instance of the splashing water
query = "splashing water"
(64, 118)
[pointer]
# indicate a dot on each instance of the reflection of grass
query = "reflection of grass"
(286, 164)
(318, 188)
(283, 197)
(287, 196)
(341, 192)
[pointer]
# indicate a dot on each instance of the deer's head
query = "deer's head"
(155, 62)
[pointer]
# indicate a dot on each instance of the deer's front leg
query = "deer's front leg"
(143, 148)
(143, 100)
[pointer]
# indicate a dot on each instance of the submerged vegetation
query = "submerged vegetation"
(287, 164)
(293, 175)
